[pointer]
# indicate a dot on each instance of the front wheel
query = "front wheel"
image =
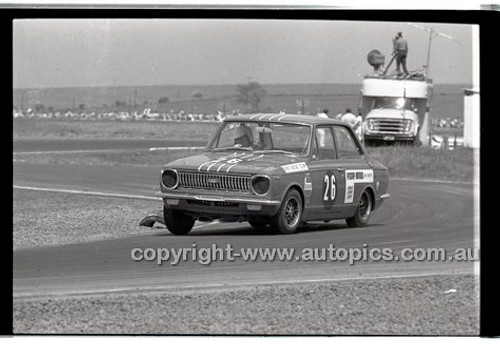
(289, 216)
(363, 212)
(177, 222)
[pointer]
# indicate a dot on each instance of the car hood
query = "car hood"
(247, 162)
(391, 113)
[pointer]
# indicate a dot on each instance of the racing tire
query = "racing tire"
(363, 212)
(177, 222)
(289, 216)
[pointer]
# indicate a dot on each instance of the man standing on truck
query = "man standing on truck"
(401, 51)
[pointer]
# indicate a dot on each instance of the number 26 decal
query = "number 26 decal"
(330, 188)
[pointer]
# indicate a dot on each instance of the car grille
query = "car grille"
(214, 181)
(388, 125)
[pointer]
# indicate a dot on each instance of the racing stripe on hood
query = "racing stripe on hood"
(227, 170)
(213, 164)
(249, 157)
(235, 162)
(210, 164)
(203, 164)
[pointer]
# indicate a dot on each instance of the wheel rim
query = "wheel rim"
(292, 212)
(365, 207)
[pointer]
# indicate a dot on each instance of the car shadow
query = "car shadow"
(247, 230)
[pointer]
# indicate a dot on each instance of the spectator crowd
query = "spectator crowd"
(145, 115)
(176, 116)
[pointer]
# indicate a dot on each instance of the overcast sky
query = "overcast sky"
(70, 53)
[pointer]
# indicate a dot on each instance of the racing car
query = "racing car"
(277, 170)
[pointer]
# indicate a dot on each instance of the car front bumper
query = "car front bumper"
(220, 206)
(389, 137)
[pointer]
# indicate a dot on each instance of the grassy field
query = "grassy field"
(38, 128)
(402, 161)
(426, 163)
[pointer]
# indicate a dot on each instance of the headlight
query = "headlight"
(370, 124)
(260, 185)
(408, 125)
(170, 178)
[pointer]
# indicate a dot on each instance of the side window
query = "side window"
(346, 145)
(325, 144)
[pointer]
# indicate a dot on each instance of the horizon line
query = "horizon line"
(199, 84)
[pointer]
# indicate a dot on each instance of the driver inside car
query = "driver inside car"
(243, 136)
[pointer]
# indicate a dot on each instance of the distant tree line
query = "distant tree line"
(250, 94)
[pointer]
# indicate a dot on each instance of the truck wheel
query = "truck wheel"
(363, 212)
(289, 216)
(177, 222)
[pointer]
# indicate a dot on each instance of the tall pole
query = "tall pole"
(429, 53)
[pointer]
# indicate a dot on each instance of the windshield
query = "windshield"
(394, 102)
(264, 137)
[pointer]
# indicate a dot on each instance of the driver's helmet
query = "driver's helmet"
(243, 135)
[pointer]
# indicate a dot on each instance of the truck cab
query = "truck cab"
(395, 109)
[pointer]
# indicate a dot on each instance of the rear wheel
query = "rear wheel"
(289, 216)
(177, 222)
(363, 212)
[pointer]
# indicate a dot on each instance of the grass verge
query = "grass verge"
(36, 128)
(426, 163)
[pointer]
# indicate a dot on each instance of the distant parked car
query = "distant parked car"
(275, 169)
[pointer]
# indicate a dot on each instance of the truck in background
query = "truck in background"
(395, 108)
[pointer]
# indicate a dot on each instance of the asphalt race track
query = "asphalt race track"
(419, 214)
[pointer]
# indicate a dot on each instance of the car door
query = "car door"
(357, 172)
(326, 176)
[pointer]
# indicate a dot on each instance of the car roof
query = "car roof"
(284, 118)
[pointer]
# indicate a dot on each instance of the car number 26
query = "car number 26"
(330, 189)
